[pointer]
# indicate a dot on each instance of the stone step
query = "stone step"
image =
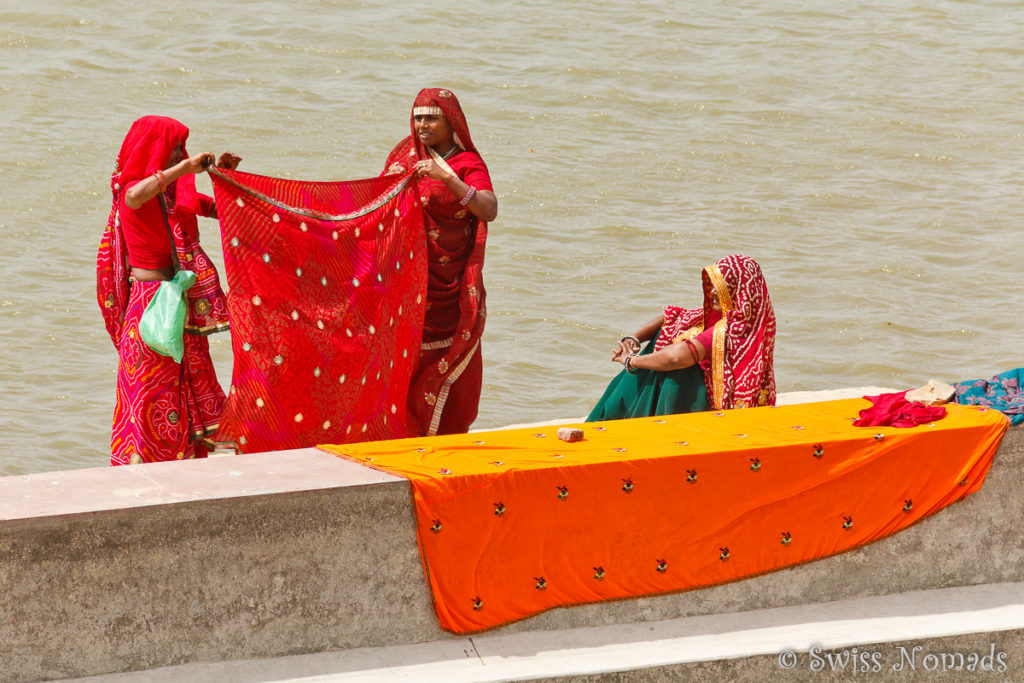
(948, 630)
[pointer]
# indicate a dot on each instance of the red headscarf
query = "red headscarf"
(438, 101)
(434, 102)
(741, 373)
(146, 149)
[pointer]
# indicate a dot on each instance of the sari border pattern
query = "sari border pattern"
(380, 201)
(442, 395)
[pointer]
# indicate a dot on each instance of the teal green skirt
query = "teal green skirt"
(650, 392)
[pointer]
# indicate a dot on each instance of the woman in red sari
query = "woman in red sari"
(716, 357)
(165, 410)
(458, 202)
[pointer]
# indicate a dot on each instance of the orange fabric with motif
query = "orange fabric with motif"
(515, 522)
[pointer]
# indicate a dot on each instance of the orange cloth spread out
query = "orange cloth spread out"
(514, 522)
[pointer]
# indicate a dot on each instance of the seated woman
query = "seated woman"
(711, 358)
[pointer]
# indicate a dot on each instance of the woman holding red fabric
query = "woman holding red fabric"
(165, 410)
(458, 202)
(711, 358)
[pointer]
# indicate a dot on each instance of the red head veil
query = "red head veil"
(441, 102)
(742, 372)
(146, 149)
(431, 102)
(438, 101)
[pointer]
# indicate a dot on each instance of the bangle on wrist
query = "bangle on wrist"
(628, 364)
(633, 337)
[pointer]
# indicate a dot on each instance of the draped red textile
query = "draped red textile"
(741, 372)
(456, 308)
(327, 295)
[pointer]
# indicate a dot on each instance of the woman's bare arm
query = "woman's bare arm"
(672, 357)
(147, 188)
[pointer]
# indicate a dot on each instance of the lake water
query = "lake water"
(867, 154)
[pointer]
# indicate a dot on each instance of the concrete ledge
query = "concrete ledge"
(230, 557)
(267, 555)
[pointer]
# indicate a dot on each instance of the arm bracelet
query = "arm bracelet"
(469, 196)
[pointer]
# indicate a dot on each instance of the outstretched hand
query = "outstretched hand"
(229, 161)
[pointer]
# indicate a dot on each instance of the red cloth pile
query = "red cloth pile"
(895, 410)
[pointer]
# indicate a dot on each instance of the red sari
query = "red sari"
(445, 390)
(327, 283)
(740, 372)
(164, 409)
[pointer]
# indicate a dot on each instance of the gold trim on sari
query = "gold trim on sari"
(439, 160)
(718, 342)
(439, 344)
(435, 419)
(718, 282)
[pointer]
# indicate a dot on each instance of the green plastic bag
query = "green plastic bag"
(163, 322)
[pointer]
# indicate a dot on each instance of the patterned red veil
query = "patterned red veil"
(742, 373)
(327, 292)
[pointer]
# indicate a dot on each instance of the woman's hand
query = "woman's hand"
(199, 163)
(626, 346)
(427, 167)
(229, 161)
(482, 204)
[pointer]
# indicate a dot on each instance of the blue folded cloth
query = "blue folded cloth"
(1002, 393)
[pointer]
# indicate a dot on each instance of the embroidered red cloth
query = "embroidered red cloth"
(327, 291)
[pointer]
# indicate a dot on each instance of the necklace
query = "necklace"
(449, 152)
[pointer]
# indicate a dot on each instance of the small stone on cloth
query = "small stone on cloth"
(934, 393)
(570, 434)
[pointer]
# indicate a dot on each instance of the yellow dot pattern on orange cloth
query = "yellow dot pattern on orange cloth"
(515, 522)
